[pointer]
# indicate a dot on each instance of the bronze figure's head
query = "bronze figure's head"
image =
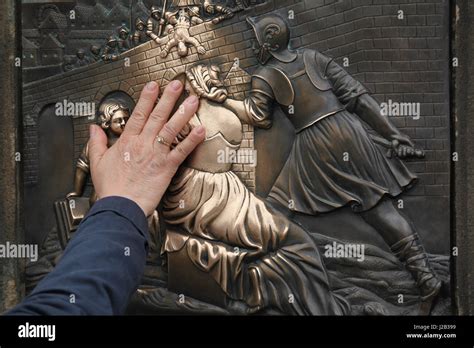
(205, 81)
(95, 50)
(139, 24)
(155, 12)
(123, 32)
(113, 117)
(112, 41)
(193, 11)
(80, 53)
(273, 38)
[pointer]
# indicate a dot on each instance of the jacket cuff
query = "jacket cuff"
(124, 207)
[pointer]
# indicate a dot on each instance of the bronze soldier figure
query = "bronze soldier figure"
(95, 52)
(153, 23)
(326, 105)
(222, 11)
(111, 51)
(82, 59)
(139, 36)
(123, 39)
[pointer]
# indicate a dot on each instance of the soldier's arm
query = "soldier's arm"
(150, 30)
(196, 20)
(213, 9)
(357, 100)
(369, 110)
(257, 109)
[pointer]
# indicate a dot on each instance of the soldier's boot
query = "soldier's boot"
(410, 251)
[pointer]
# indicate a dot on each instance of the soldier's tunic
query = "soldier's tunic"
(333, 162)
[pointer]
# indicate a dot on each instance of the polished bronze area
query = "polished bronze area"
(237, 239)
(186, 14)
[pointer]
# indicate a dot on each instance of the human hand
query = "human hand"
(138, 166)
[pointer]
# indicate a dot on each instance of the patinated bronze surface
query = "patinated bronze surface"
(294, 203)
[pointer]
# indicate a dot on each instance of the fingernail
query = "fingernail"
(192, 100)
(91, 130)
(151, 86)
(176, 85)
(200, 130)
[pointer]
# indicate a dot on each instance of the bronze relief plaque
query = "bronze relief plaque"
(323, 185)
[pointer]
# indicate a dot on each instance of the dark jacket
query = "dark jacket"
(101, 267)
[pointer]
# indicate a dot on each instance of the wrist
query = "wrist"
(124, 207)
(143, 207)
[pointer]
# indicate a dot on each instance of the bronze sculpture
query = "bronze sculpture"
(222, 11)
(259, 258)
(185, 14)
(111, 50)
(82, 59)
(180, 22)
(154, 22)
(322, 101)
(139, 36)
(124, 40)
(95, 53)
(259, 105)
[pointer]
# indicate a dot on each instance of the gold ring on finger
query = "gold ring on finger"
(161, 140)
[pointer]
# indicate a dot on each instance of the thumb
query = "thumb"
(97, 144)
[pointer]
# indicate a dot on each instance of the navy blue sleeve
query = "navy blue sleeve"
(101, 267)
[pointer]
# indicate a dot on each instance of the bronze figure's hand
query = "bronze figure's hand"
(404, 147)
(141, 164)
(218, 95)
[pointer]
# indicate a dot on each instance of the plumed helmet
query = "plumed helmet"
(273, 33)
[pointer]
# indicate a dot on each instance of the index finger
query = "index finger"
(143, 109)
